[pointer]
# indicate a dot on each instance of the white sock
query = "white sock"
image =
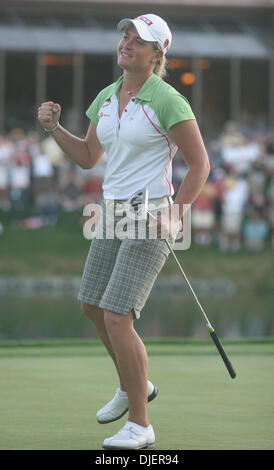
(139, 426)
(122, 393)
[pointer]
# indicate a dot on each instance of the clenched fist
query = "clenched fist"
(49, 114)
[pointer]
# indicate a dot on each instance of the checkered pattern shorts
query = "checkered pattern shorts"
(119, 274)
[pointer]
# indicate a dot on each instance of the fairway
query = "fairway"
(51, 391)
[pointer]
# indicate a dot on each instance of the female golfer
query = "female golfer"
(139, 121)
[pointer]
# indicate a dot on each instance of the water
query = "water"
(168, 312)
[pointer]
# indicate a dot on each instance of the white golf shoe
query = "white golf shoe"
(118, 406)
(131, 436)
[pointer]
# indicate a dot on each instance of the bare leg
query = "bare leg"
(131, 357)
(96, 315)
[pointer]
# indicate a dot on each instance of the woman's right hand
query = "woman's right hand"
(49, 114)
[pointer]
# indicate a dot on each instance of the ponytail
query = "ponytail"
(160, 68)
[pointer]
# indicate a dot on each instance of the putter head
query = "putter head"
(138, 205)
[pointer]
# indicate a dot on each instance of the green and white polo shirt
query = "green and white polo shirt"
(138, 146)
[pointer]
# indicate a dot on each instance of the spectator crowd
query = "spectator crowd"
(38, 180)
(235, 208)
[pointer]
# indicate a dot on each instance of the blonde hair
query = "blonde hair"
(160, 68)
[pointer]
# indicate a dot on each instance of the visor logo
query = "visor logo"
(145, 19)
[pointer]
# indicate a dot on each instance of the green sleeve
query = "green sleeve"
(173, 108)
(97, 103)
(93, 110)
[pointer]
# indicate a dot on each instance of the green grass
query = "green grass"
(51, 390)
(62, 250)
(59, 250)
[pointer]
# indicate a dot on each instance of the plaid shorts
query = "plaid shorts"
(119, 273)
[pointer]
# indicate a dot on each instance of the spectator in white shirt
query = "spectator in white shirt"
(235, 197)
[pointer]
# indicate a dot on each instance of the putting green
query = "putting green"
(51, 390)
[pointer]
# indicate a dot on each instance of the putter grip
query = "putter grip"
(221, 350)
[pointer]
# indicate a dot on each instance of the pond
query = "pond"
(169, 311)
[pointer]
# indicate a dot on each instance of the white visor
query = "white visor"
(151, 28)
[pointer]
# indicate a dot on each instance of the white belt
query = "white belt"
(153, 204)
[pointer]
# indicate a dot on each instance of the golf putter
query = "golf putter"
(141, 198)
(137, 205)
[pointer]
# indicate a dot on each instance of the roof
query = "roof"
(99, 40)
